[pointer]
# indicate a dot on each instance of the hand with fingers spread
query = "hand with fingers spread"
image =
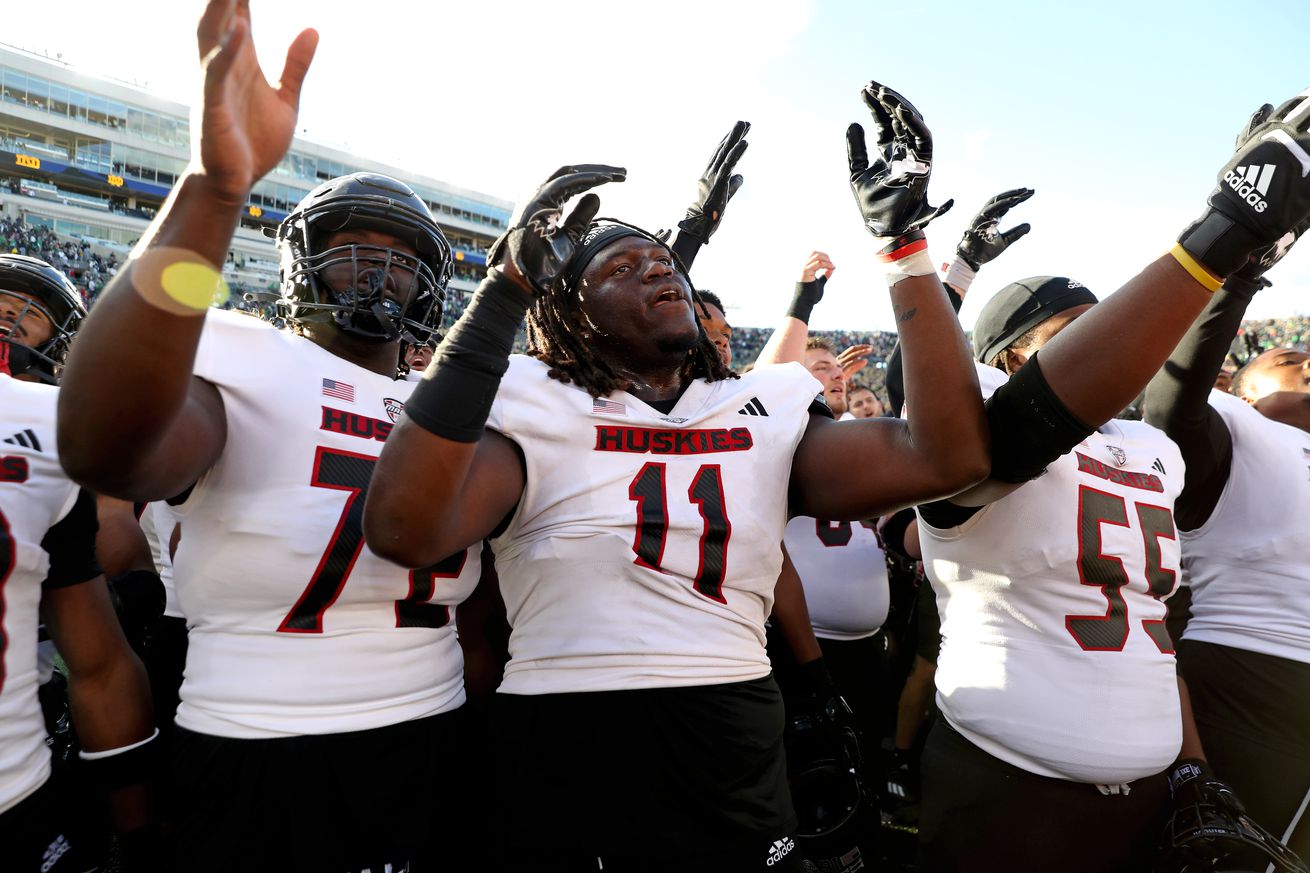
(246, 123)
(1263, 194)
(716, 186)
(984, 241)
(892, 188)
(540, 241)
(854, 359)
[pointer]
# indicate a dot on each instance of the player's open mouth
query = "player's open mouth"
(669, 295)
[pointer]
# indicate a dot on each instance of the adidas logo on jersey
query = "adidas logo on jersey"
(54, 852)
(755, 407)
(780, 849)
(1251, 184)
(26, 439)
(1159, 467)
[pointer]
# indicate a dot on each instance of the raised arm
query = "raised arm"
(942, 448)
(133, 423)
(1098, 365)
(1178, 398)
(787, 343)
(443, 482)
(713, 191)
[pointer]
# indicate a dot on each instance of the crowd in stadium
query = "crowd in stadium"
(569, 573)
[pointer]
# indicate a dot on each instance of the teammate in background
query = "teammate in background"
(625, 454)
(415, 357)
(49, 572)
(1049, 575)
(1242, 520)
(842, 566)
(864, 402)
(715, 324)
(318, 705)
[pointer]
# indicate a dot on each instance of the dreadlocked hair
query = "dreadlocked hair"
(553, 339)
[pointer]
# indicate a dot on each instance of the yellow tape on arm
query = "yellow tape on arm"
(1199, 273)
(178, 281)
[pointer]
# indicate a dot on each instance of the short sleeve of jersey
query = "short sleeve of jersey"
(229, 346)
(71, 544)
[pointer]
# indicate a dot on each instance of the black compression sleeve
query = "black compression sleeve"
(1177, 402)
(1030, 426)
(895, 370)
(686, 247)
(71, 544)
(455, 396)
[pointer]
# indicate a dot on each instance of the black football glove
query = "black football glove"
(1263, 191)
(538, 243)
(983, 241)
(716, 186)
(1209, 825)
(892, 191)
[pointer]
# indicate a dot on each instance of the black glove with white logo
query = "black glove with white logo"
(1263, 191)
(983, 241)
(892, 189)
(540, 241)
(716, 186)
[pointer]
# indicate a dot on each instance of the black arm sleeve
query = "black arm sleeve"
(1177, 402)
(71, 544)
(896, 371)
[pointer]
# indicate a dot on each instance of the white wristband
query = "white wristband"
(961, 275)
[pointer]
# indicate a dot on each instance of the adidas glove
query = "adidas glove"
(1263, 191)
(540, 241)
(892, 191)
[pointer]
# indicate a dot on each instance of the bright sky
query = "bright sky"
(1119, 114)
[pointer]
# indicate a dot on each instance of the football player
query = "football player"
(48, 568)
(322, 682)
(1242, 516)
(1055, 678)
(636, 497)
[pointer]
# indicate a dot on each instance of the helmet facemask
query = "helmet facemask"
(35, 289)
(372, 279)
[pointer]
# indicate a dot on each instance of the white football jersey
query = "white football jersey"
(157, 523)
(1249, 564)
(1054, 652)
(295, 627)
(844, 570)
(646, 547)
(34, 495)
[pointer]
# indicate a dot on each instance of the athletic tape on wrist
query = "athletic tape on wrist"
(905, 256)
(918, 263)
(961, 275)
(1197, 272)
(176, 280)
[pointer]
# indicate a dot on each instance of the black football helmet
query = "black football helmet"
(837, 812)
(1210, 832)
(28, 287)
(365, 201)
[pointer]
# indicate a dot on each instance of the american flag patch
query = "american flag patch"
(607, 407)
(339, 390)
